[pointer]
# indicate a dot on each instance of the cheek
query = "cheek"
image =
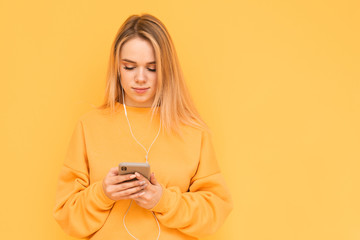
(125, 77)
(153, 79)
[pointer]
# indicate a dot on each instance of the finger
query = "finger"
(126, 185)
(121, 178)
(141, 177)
(137, 196)
(128, 193)
(153, 180)
(114, 171)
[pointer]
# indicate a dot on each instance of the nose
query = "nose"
(140, 75)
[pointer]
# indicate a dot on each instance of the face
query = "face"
(138, 72)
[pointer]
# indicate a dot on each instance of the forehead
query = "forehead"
(137, 50)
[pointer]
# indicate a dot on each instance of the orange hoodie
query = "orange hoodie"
(195, 200)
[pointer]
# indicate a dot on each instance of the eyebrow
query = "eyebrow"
(127, 60)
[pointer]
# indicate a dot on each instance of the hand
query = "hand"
(151, 194)
(115, 188)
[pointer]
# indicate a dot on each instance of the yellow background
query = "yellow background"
(277, 81)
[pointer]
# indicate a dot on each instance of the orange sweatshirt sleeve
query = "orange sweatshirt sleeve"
(204, 207)
(81, 207)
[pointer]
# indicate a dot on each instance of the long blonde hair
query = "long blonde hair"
(172, 95)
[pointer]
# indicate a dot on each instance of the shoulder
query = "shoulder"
(96, 121)
(191, 133)
(96, 116)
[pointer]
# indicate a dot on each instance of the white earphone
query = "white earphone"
(147, 153)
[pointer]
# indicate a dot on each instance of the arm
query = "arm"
(204, 208)
(81, 208)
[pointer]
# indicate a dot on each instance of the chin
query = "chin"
(142, 101)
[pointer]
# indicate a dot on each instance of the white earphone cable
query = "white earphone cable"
(147, 151)
(157, 222)
(146, 157)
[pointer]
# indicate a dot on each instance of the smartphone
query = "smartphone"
(131, 168)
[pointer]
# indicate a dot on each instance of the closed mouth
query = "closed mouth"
(140, 88)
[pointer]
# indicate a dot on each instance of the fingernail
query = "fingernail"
(133, 176)
(137, 174)
(142, 182)
(142, 193)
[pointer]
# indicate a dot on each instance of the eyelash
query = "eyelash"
(151, 70)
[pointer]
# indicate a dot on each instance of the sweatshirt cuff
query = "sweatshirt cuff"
(164, 203)
(104, 201)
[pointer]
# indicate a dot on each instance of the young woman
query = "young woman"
(147, 116)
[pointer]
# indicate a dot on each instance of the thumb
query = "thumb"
(113, 171)
(153, 179)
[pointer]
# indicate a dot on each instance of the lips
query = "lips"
(141, 90)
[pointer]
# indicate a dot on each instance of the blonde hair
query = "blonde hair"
(172, 95)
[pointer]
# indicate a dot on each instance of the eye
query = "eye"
(152, 70)
(128, 68)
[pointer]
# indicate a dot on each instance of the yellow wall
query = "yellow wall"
(277, 81)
